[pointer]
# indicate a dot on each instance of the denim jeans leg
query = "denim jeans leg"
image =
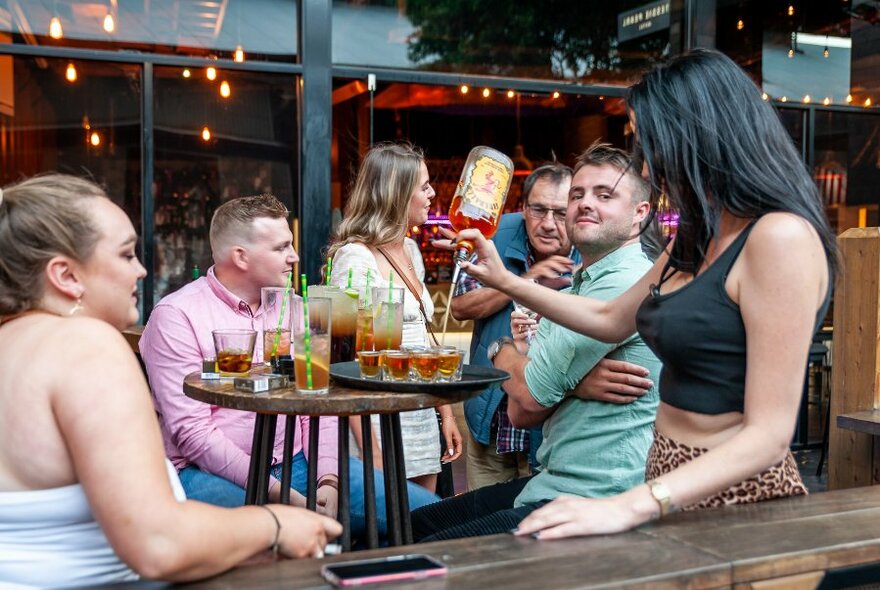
(212, 489)
(418, 497)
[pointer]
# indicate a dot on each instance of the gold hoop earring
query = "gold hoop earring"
(78, 306)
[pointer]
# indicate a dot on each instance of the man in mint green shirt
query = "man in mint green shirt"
(590, 448)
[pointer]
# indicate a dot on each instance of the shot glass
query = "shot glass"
(387, 317)
(370, 363)
(395, 365)
(425, 365)
(277, 307)
(235, 351)
(312, 366)
(449, 364)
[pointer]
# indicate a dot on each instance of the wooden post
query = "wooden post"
(855, 378)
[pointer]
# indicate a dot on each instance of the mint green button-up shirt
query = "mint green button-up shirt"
(590, 448)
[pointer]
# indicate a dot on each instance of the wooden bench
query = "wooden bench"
(788, 543)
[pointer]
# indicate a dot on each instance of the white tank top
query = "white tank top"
(50, 538)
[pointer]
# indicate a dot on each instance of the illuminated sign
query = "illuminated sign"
(648, 19)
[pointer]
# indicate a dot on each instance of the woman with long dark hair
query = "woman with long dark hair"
(730, 307)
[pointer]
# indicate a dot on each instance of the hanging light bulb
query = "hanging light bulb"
(206, 133)
(825, 53)
(790, 53)
(849, 98)
(740, 25)
(464, 89)
(109, 23)
(510, 94)
(486, 92)
(827, 101)
(55, 29)
(238, 56)
(186, 73)
(868, 102)
(764, 96)
(807, 99)
(211, 73)
(225, 91)
(70, 72)
(783, 99)
(791, 10)
(95, 138)
(556, 94)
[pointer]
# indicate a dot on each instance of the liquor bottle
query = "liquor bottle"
(479, 198)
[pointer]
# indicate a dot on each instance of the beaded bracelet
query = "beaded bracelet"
(274, 547)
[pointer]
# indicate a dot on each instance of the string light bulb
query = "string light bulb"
(225, 91)
(556, 94)
(764, 96)
(211, 73)
(56, 31)
(70, 73)
(186, 73)
(464, 89)
(486, 92)
(510, 94)
(849, 98)
(95, 139)
(791, 10)
(868, 102)
(206, 133)
(109, 23)
(790, 53)
(238, 56)
(740, 25)
(827, 101)
(783, 99)
(807, 99)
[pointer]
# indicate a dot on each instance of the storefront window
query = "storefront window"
(606, 43)
(215, 141)
(233, 29)
(76, 117)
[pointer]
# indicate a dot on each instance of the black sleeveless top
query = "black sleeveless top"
(698, 334)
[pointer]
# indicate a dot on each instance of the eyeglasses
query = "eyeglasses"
(539, 212)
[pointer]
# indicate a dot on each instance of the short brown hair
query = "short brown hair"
(40, 218)
(232, 220)
(600, 153)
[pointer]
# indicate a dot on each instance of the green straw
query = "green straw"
(307, 341)
(330, 270)
(388, 318)
(368, 298)
(281, 317)
(350, 273)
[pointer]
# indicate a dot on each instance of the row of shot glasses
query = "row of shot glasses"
(441, 364)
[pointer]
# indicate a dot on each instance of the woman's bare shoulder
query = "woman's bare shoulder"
(784, 234)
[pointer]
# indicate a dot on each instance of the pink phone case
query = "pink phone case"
(328, 574)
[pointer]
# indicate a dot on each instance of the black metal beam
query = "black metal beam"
(316, 112)
(147, 165)
(137, 57)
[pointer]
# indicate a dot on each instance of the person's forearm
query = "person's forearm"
(510, 360)
(521, 417)
(478, 304)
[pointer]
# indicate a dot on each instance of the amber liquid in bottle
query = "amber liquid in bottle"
(478, 204)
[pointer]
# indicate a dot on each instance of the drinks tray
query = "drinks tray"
(473, 377)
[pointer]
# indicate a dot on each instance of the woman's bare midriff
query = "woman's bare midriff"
(703, 431)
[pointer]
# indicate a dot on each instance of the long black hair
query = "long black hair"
(710, 140)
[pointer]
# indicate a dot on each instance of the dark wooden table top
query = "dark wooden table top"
(867, 421)
(339, 401)
(718, 548)
(132, 335)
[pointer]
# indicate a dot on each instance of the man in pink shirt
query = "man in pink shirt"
(210, 446)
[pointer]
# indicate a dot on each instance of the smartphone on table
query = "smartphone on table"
(384, 569)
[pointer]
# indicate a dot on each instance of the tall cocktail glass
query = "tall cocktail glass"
(387, 317)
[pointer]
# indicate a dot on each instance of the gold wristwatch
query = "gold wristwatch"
(661, 494)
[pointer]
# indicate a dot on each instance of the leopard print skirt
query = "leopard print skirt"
(779, 481)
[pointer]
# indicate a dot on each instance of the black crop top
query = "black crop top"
(698, 334)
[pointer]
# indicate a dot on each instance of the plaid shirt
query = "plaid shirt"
(509, 439)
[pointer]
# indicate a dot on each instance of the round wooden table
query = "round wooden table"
(342, 402)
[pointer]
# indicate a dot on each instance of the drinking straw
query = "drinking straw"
(307, 341)
(281, 317)
(350, 270)
(368, 299)
(330, 270)
(388, 318)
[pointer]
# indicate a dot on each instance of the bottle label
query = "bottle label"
(484, 189)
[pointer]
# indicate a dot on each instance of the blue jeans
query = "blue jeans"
(213, 489)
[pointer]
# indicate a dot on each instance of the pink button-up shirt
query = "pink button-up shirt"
(218, 440)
